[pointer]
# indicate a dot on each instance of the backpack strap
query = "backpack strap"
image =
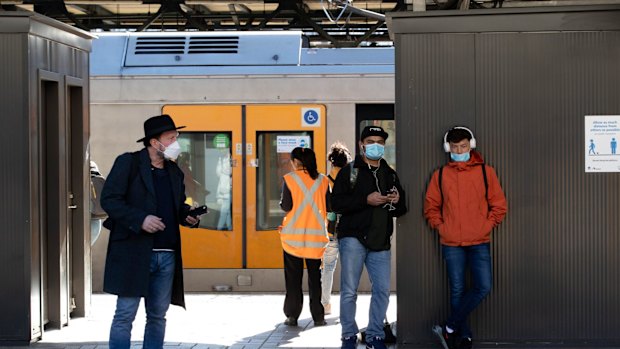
(484, 177)
(331, 178)
(486, 183)
(440, 187)
(353, 175)
(439, 180)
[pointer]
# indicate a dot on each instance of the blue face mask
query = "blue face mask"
(374, 151)
(460, 157)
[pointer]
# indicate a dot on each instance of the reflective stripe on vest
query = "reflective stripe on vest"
(304, 231)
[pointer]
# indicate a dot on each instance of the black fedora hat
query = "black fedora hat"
(157, 125)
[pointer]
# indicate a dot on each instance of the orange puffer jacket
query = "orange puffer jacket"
(464, 217)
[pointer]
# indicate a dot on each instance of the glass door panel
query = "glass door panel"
(213, 177)
(206, 184)
(273, 152)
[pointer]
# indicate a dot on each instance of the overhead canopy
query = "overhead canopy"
(334, 23)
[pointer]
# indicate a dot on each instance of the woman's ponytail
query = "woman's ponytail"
(308, 160)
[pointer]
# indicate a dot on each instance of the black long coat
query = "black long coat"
(128, 196)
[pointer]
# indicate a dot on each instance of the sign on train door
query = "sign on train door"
(233, 158)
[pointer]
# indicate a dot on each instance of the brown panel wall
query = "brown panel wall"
(14, 261)
(34, 48)
(525, 95)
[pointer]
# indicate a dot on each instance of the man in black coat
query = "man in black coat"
(144, 197)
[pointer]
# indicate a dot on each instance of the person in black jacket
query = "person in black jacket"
(144, 197)
(367, 194)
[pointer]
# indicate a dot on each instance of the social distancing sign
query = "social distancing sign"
(602, 133)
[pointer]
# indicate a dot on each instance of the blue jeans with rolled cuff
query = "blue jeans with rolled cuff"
(462, 301)
(330, 259)
(353, 257)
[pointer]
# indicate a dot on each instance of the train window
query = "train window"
(274, 149)
(206, 163)
(390, 144)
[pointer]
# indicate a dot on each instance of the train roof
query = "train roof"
(229, 53)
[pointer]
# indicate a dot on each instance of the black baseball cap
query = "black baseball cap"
(373, 131)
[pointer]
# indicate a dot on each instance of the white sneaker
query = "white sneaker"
(327, 309)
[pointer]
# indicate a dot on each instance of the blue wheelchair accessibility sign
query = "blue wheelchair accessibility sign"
(310, 117)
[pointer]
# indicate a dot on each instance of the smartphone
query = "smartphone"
(198, 211)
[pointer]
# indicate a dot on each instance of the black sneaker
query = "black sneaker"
(375, 343)
(466, 343)
(447, 340)
(320, 323)
(349, 342)
(290, 321)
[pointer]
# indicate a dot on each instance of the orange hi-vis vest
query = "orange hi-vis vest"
(303, 233)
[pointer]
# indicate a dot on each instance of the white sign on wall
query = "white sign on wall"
(601, 143)
(286, 144)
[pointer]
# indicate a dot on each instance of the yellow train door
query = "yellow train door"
(211, 168)
(234, 157)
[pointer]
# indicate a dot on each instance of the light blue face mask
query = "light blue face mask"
(459, 157)
(374, 151)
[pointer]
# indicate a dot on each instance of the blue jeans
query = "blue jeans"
(353, 257)
(224, 221)
(330, 258)
(156, 304)
(462, 301)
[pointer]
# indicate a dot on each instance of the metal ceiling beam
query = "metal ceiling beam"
(151, 20)
(54, 9)
(235, 17)
(171, 6)
(345, 5)
(303, 16)
(96, 10)
(368, 33)
(200, 9)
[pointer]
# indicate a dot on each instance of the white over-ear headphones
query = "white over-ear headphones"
(446, 144)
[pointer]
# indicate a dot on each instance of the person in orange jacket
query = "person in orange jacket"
(464, 202)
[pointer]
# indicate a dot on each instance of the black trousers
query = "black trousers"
(293, 274)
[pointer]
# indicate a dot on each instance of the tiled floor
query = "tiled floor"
(243, 321)
(231, 321)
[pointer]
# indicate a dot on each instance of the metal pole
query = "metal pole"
(359, 11)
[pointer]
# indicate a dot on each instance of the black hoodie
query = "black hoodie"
(359, 219)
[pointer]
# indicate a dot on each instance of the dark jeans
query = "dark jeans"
(462, 301)
(293, 274)
(156, 304)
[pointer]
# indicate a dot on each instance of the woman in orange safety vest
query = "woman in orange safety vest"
(305, 196)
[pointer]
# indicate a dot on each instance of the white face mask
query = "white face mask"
(172, 151)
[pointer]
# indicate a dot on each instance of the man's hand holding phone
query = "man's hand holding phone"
(393, 195)
(195, 213)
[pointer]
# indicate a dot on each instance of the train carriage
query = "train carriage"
(247, 99)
